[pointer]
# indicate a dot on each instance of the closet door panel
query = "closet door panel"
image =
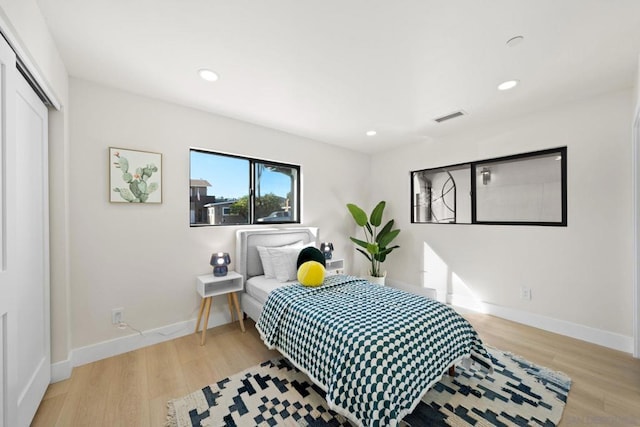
(8, 244)
(32, 203)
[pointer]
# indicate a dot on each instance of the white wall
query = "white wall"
(145, 257)
(581, 274)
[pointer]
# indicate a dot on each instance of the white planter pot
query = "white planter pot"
(378, 280)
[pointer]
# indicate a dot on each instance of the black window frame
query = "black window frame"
(252, 220)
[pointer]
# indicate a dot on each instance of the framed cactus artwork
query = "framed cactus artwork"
(134, 176)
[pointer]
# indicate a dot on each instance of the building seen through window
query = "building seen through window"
(234, 190)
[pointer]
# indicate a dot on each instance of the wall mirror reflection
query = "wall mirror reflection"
(442, 195)
(523, 189)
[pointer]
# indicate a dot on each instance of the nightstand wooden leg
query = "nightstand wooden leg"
(206, 320)
(230, 304)
(237, 304)
(202, 304)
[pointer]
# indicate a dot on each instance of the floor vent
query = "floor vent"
(449, 116)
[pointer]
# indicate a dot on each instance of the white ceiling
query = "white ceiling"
(332, 69)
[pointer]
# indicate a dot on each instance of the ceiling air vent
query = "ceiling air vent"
(449, 116)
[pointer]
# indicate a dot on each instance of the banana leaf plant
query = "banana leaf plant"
(376, 244)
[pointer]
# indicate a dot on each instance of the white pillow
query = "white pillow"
(265, 257)
(266, 262)
(284, 260)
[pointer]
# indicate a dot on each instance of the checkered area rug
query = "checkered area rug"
(517, 393)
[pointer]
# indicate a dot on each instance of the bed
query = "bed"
(374, 350)
(249, 265)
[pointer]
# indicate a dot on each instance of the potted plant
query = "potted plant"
(376, 244)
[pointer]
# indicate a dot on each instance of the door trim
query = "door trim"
(26, 66)
(635, 159)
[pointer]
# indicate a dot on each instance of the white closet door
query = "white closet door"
(25, 361)
(8, 243)
(32, 227)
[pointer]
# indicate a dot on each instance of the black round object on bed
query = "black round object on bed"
(310, 254)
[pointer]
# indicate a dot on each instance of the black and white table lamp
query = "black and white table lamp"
(220, 261)
(327, 249)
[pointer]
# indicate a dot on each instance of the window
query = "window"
(235, 190)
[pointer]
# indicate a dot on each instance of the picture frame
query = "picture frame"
(135, 176)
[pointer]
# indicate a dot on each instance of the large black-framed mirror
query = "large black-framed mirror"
(522, 189)
(441, 195)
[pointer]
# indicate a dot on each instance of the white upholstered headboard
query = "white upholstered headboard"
(247, 258)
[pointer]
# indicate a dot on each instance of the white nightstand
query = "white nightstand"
(210, 286)
(334, 266)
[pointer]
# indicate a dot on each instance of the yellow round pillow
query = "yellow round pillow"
(311, 273)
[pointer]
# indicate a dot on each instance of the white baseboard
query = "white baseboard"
(94, 352)
(61, 370)
(574, 330)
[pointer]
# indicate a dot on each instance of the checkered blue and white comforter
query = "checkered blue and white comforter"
(375, 350)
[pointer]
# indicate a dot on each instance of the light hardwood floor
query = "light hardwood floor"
(133, 389)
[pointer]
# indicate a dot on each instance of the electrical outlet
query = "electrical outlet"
(525, 293)
(117, 316)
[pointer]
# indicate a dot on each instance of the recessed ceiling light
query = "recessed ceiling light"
(371, 132)
(509, 84)
(208, 75)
